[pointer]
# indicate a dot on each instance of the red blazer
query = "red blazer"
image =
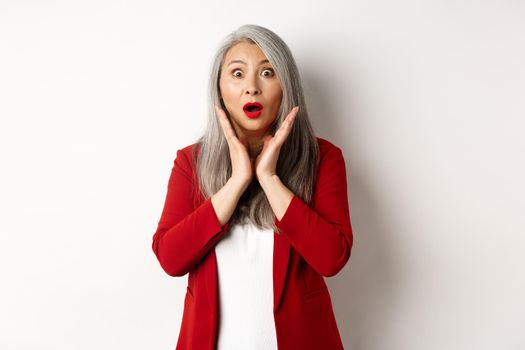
(316, 243)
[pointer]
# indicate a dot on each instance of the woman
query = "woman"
(256, 210)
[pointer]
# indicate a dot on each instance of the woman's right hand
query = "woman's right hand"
(242, 165)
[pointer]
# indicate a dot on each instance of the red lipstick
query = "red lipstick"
(253, 109)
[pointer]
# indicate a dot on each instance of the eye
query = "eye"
(268, 70)
(236, 70)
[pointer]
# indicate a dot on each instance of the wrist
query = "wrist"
(267, 178)
(239, 183)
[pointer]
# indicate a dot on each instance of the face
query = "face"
(247, 76)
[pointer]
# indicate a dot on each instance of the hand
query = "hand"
(242, 167)
(266, 161)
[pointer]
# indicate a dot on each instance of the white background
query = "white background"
(426, 99)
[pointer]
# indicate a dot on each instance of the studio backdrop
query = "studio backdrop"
(424, 98)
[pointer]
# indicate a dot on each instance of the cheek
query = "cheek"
(277, 97)
(225, 86)
(229, 93)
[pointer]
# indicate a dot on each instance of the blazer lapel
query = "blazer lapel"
(281, 255)
(210, 278)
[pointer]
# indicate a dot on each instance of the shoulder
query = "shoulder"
(186, 150)
(183, 159)
(331, 161)
(326, 147)
(331, 158)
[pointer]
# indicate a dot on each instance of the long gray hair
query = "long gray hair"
(299, 155)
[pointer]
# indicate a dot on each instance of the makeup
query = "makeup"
(253, 109)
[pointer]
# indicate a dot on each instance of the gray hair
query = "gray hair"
(299, 155)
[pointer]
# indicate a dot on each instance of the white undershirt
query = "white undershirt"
(245, 282)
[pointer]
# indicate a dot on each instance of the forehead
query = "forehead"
(247, 52)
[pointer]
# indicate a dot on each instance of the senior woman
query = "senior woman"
(256, 211)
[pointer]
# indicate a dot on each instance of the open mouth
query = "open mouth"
(253, 109)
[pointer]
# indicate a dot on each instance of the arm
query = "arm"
(186, 234)
(322, 235)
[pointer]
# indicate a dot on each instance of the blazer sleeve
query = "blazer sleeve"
(184, 234)
(322, 235)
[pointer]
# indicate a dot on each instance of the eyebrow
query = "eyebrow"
(241, 61)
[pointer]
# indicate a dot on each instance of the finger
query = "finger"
(281, 134)
(290, 117)
(229, 133)
(293, 113)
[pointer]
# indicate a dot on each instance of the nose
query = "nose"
(252, 91)
(252, 87)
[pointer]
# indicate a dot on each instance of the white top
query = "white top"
(245, 283)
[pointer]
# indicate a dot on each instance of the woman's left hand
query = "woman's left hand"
(266, 161)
